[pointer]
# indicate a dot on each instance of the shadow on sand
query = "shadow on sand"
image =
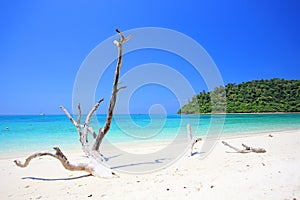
(57, 179)
(157, 161)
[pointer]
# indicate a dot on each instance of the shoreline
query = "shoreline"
(37, 115)
(76, 148)
(220, 175)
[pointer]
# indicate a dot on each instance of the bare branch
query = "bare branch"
(86, 129)
(69, 116)
(115, 90)
(91, 130)
(87, 121)
(193, 143)
(58, 155)
(120, 34)
(234, 148)
(90, 114)
(79, 114)
(122, 88)
(98, 140)
(246, 150)
(96, 169)
(123, 39)
(255, 150)
(190, 138)
(82, 137)
(77, 124)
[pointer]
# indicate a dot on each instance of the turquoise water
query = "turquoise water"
(34, 133)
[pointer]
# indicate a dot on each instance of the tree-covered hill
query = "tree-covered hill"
(275, 95)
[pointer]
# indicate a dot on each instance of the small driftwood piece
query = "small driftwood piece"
(190, 138)
(247, 149)
(96, 165)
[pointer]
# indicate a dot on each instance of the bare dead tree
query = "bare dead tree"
(190, 138)
(96, 165)
(247, 149)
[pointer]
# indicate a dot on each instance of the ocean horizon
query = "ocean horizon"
(30, 133)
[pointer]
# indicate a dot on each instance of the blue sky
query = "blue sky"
(43, 43)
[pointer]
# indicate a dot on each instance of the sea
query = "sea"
(24, 134)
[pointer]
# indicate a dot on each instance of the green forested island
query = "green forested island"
(257, 96)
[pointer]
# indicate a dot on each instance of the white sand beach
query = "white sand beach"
(221, 175)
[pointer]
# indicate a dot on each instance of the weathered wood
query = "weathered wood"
(87, 122)
(58, 155)
(82, 139)
(69, 116)
(96, 169)
(255, 150)
(189, 132)
(77, 124)
(96, 165)
(190, 138)
(115, 90)
(79, 114)
(246, 150)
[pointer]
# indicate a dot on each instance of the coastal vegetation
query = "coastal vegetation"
(257, 96)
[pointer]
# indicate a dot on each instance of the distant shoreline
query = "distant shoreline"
(273, 113)
(37, 115)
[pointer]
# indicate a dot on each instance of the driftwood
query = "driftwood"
(247, 149)
(190, 138)
(96, 165)
(91, 167)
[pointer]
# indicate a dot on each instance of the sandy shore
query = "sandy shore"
(221, 175)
